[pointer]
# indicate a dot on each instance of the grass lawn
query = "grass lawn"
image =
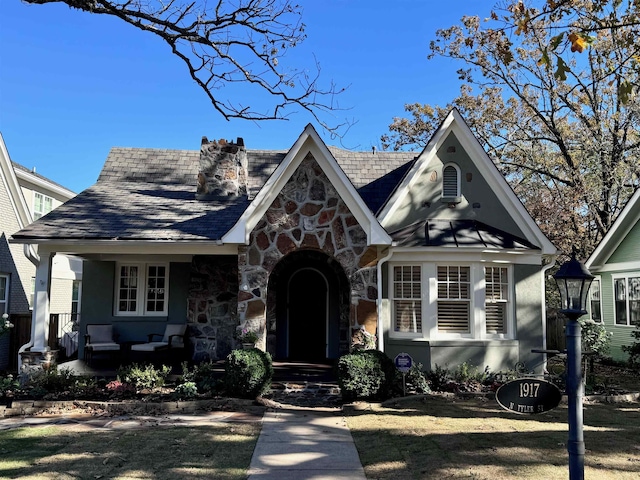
(438, 438)
(221, 451)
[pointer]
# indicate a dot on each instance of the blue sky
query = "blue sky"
(72, 85)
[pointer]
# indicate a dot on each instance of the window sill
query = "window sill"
(451, 199)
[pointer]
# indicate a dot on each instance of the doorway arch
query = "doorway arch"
(307, 308)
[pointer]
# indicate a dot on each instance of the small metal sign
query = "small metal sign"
(403, 362)
(528, 396)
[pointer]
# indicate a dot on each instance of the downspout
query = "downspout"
(379, 300)
(33, 257)
(545, 269)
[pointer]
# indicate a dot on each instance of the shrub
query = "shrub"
(144, 376)
(248, 373)
(8, 386)
(415, 380)
(203, 375)
(366, 374)
(595, 338)
(439, 378)
(50, 380)
(186, 390)
(633, 350)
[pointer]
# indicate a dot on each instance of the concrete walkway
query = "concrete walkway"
(298, 443)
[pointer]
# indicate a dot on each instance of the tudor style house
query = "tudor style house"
(26, 196)
(614, 295)
(430, 251)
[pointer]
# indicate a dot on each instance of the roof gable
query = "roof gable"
(508, 201)
(623, 225)
(308, 142)
(9, 181)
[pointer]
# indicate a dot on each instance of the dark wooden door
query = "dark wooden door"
(307, 315)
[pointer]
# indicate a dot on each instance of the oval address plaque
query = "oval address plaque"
(528, 396)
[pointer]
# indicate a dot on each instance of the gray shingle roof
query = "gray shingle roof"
(149, 194)
(457, 233)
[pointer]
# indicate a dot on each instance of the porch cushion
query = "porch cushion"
(175, 329)
(103, 347)
(100, 333)
(149, 347)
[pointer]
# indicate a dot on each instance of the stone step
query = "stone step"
(305, 394)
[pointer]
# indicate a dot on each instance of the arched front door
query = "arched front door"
(308, 315)
(308, 308)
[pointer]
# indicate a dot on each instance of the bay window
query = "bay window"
(451, 301)
(142, 289)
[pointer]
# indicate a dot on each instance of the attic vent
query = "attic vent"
(451, 181)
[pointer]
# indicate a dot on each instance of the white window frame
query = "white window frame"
(393, 298)
(468, 300)
(429, 294)
(141, 290)
(37, 213)
(622, 276)
(4, 300)
(508, 304)
(597, 280)
(458, 181)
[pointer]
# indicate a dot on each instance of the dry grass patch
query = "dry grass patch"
(437, 437)
(221, 451)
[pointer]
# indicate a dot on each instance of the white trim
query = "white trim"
(617, 267)
(10, 181)
(141, 290)
(308, 142)
(456, 124)
(392, 299)
(625, 276)
(45, 184)
(44, 201)
(456, 254)
(597, 278)
(5, 301)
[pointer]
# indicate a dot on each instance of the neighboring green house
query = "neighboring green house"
(430, 251)
(615, 292)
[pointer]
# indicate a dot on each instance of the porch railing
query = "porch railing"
(63, 333)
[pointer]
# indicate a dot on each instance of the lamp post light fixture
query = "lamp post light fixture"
(573, 280)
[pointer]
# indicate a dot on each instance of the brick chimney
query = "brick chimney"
(223, 169)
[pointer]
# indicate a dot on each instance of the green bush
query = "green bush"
(203, 375)
(51, 380)
(144, 376)
(439, 378)
(366, 374)
(415, 380)
(248, 373)
(186, 390)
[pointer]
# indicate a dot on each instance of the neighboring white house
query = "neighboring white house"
(25, 196)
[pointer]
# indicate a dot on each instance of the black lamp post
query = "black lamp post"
(573, 281)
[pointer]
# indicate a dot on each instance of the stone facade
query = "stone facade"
(212, 306)
(308, 214)
(223, 169)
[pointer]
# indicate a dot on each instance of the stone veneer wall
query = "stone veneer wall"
(223, 169)
(307, 214)
(212, 306)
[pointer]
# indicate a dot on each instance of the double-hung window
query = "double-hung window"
(142, 289)
(4, 294)
(496, 301)
(454, 299)
(595, 305)
(42, 205)
(627, 299)
(407, 299)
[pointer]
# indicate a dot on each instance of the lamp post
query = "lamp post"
(573, 280)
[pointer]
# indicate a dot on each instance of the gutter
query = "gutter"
(379, 299)
(33, 257)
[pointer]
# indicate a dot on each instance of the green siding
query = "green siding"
(629, 249)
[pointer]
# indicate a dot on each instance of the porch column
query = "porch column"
(40, 317)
